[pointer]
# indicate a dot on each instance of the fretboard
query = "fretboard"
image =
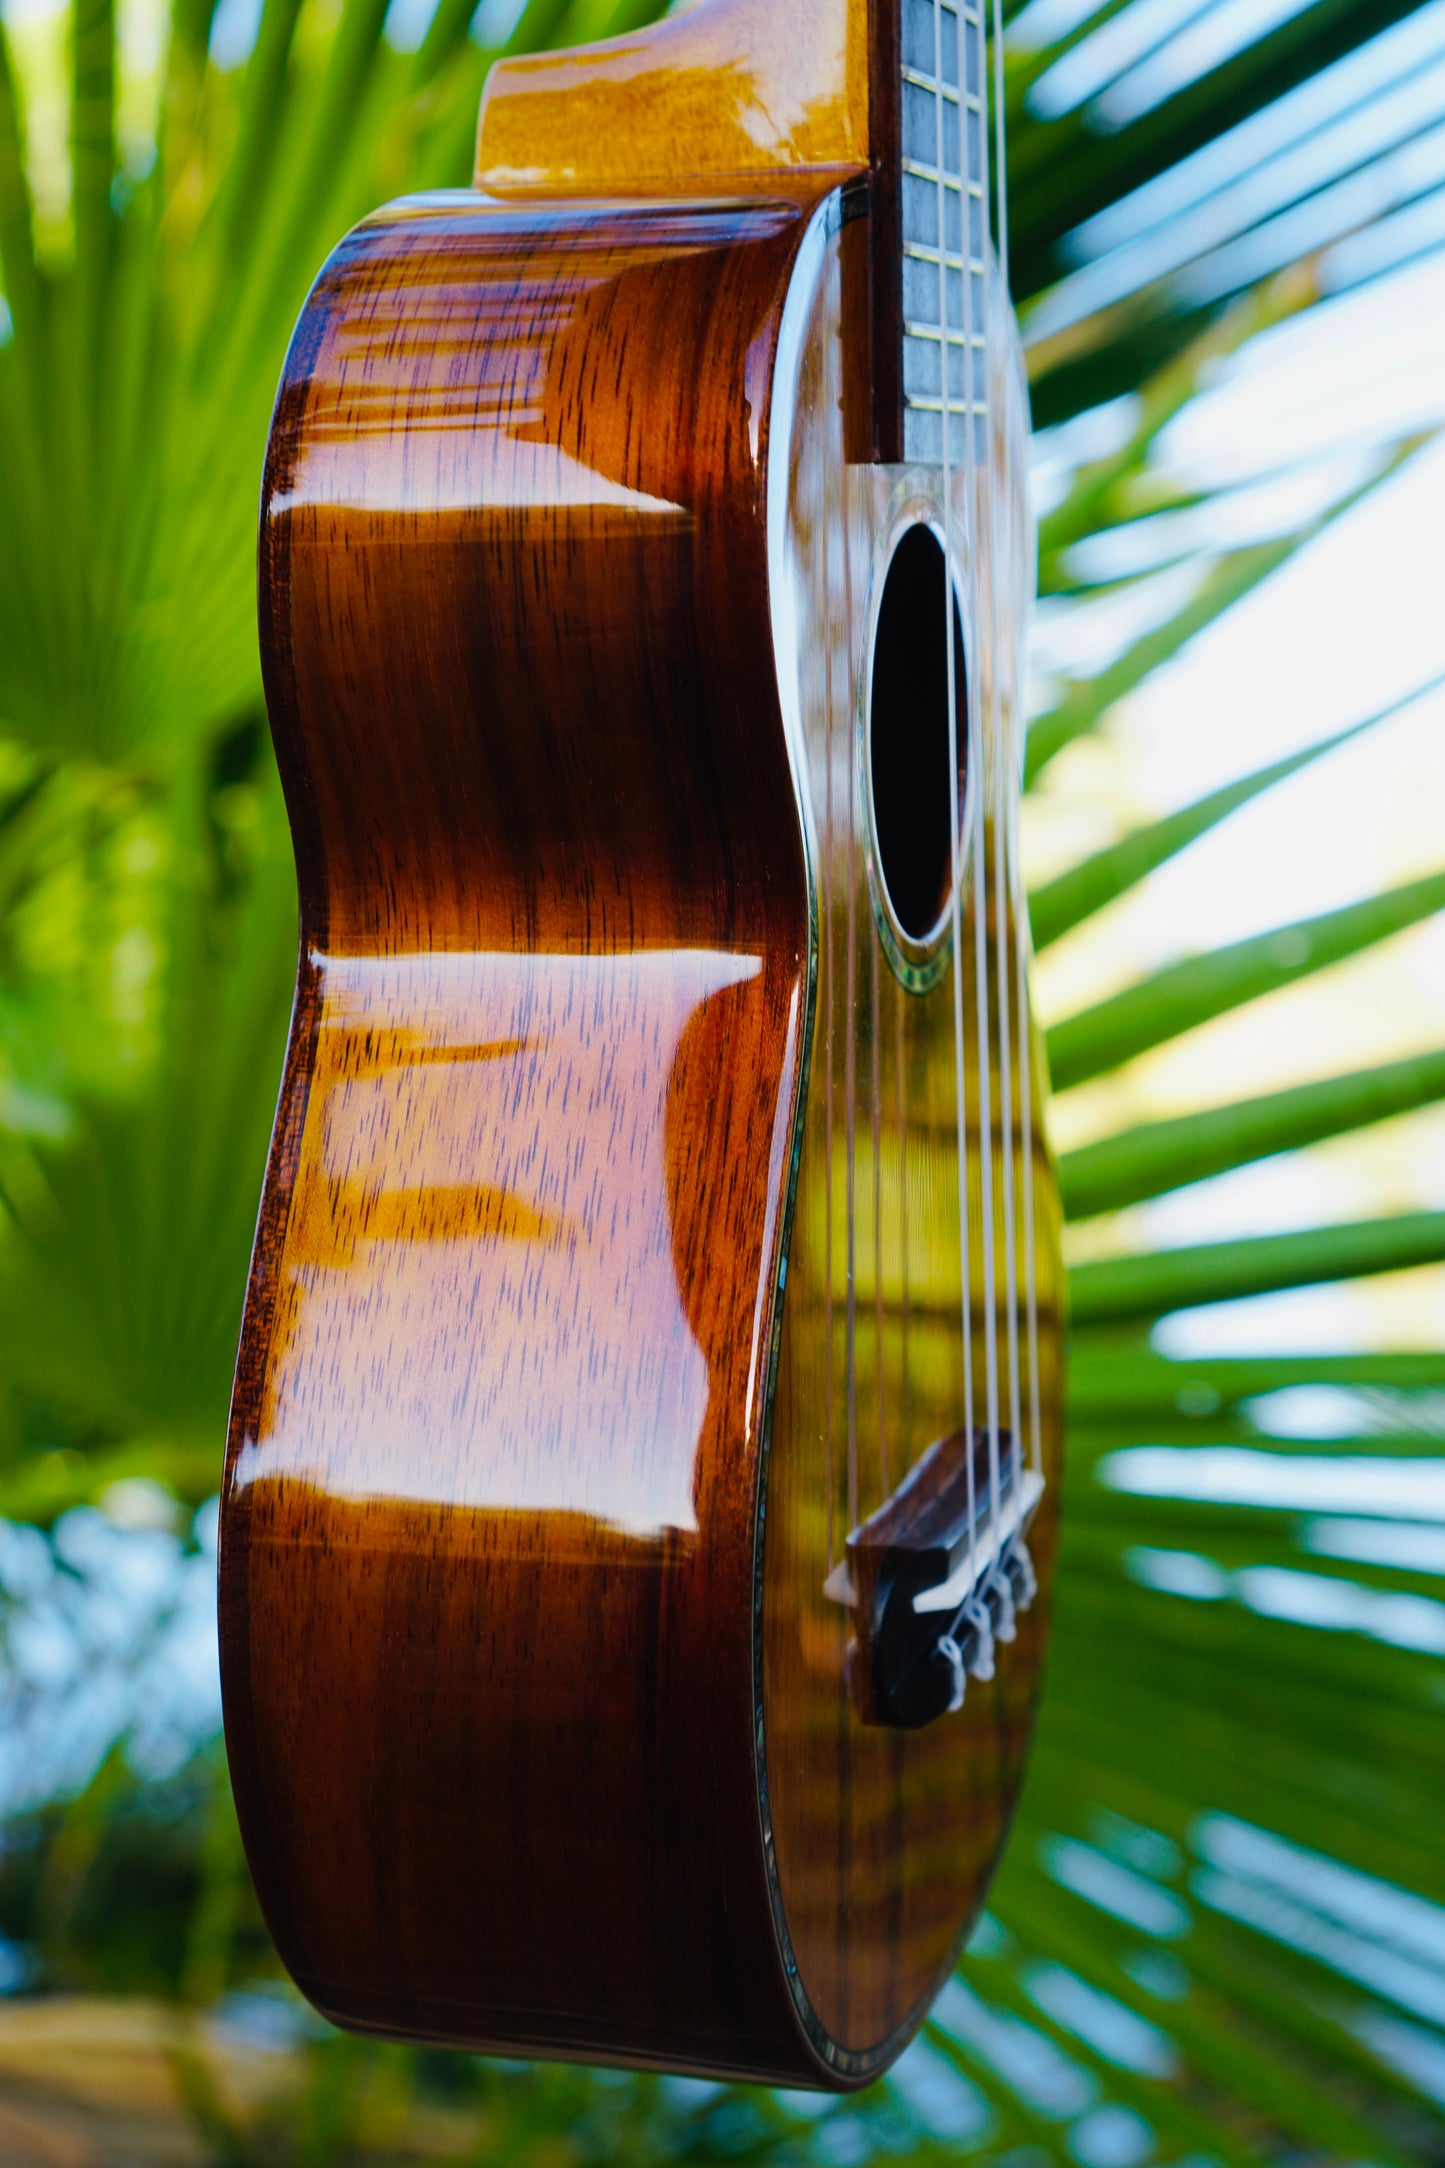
(944, 143)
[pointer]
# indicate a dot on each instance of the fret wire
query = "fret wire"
(956, 345)
(943, 65)
(955, 94)
(950, 263)
(932, 333)
(925, 252)
(968, 99)
(950, 181)
(917, 241)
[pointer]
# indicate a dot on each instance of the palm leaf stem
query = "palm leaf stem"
(1024, 2119)
(1209, 1763)
(1114, 1289)
(1114, 1378)
(1211, 2036)
(1296, 1786)
(1170, 2110)
(1156, 1157)
(1059, 905)
(17, 245)
(1279, 1995)
(1086, 509)
(331, 132)
(1065, 171)
(252, 167)
(1088, 700)
(1198, 1644)
(93, 153)
(1231, 577)
(1175, 2121)
(1187, 994)
(1091, 1441)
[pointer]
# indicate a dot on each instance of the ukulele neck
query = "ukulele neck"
(821, 94)
(943, 208)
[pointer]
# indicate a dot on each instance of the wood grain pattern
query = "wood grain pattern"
(495, 1448)
(742, 94)
(729, 89)
(536, 1708)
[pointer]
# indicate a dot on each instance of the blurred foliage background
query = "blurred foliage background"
(1219, 1936)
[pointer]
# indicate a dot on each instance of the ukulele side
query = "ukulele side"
(487, 1575)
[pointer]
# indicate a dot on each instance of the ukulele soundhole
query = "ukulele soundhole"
(908, 747)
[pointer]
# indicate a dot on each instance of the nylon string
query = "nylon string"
(1016, 884)
(970, 30)
(1005, 833)
(955, 825)
(997, 1579)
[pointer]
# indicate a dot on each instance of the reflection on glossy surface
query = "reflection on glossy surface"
(885, 1839)
(474, 560)
(536, 1706)
(483, 1223)
(487, 1536)
(492, 1430)
(726, 88)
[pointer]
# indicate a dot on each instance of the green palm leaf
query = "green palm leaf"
(1152, 1158)
(1175, 1001)
(1148, 1286)
(1059, 905)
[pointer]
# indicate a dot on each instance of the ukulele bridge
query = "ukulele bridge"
(936, 1577)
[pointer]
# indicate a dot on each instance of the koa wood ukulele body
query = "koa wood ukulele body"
(639, 1508)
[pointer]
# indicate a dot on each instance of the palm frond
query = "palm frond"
(1057, 906)
(1153, 1158)
(1151, 177)
(1112, 1289)
(1190, 993)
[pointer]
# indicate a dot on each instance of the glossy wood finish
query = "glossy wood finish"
(496, 1445)
(746, 95)
(537, 1711)
(885, 1839)
(728, 90)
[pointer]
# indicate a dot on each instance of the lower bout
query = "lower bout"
(755, 2049)
(499, 1805)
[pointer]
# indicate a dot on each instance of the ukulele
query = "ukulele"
(640, 1498)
